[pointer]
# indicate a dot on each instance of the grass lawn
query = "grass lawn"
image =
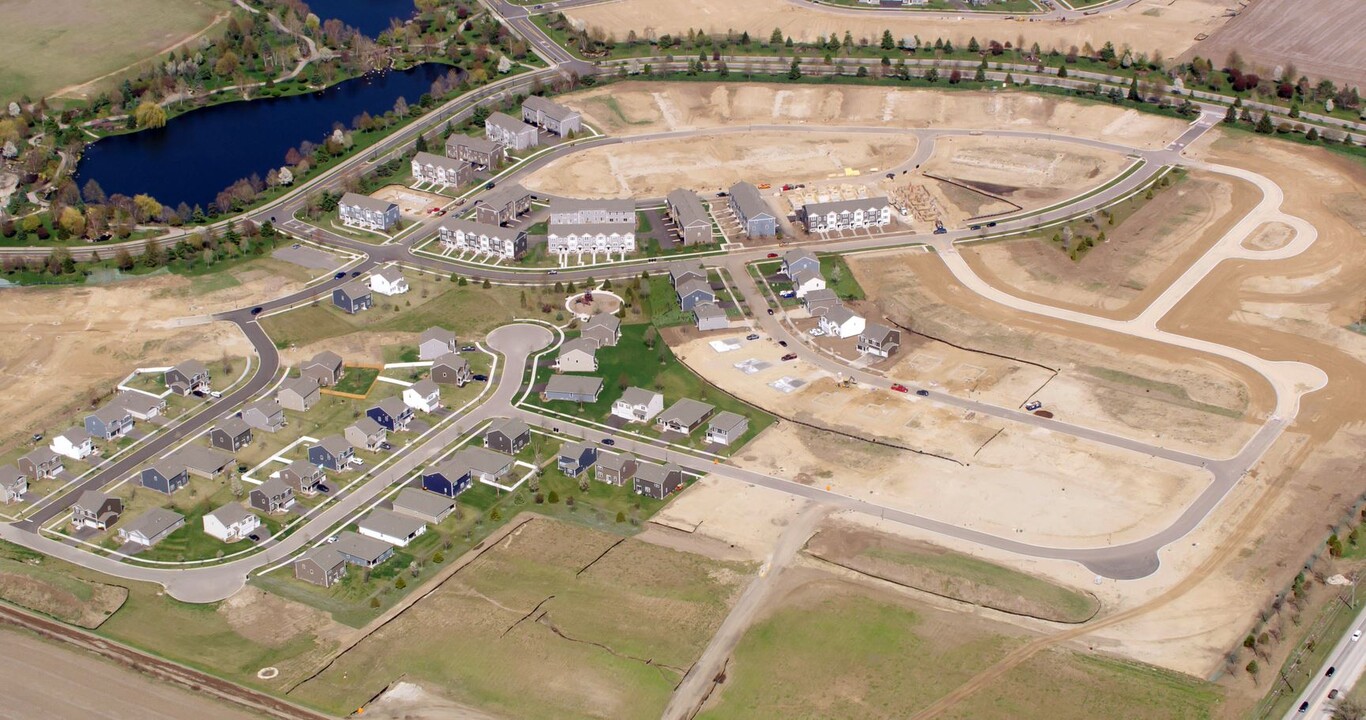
(643, 223)
(331, 221)
(192, 543)
(357, 380)
(839, 278)
(27, 579)
(663, 303)
(1092, 226)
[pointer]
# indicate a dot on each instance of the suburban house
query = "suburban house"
(841, 322)
(880, 340)
(326, 367)
(819, 302)
(150, 527)
(272, 496)
(231, 523)
(805, 281)
(391, 527)
(392, 413)
(451, 369)
(139, 404)
(638, 404)
(388, 280)
(446, 479)
(795, 261)
(362, 211)
(360, 550)
(576, 457)
(483, 464)
(692, 292)
(507, 435)
(366, 434)
(75, 443)
(96, 510)
(232, 434)
(510, 132)
(726, 427)
(574, 388)
(110, 422)
(552, 116)
(475, 150)
(425, 506)
(165, 476)
(688, 213)
(577, 355)
(684, 416)
(710, 316)
(603, 329)
(592, 238)
(353, 297)
(322, 566)
(438, 170)
(332, 452)
(435, 342)
(423, 395)
(615, 468)
(657, 481)
(264, 415)
(846, 214)
(566, 211)
(202, 461)
(188, 378)
(468, 235)
(301, 475)
(298, 394)
(13, 484)
(750, 210)
(40, 463)
(503, 207)
(678, 276)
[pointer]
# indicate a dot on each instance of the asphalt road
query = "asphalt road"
(1348, 662)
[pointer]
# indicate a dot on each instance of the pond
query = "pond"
(371, 17)
(200, 153)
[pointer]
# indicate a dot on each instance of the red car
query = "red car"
(790, 356)
(900, 388)
(773, 255)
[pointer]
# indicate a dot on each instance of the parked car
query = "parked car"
(552, 272)
(770, 311)
(772, 255)
(782, 343)
(480, 378)
(900, 388)
(295, 246)
(816, 332)
(324, 489)
(788, 294)
(789, 356)
(608, 441)
(358, 462)
(37, 437)
(752, 336)
(468, 348)
(1033, 405)
(385, 446)
(923, 393)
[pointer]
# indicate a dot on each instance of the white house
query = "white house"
(638, 405)
(231, 523)
(388, 281)
(441, 170)
(840, 322)
(578, 355)
(591, 238)
(804, 281)
(423, 395)
(391, 527)
(75, 443)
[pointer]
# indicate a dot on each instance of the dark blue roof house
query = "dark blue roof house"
(332, 452)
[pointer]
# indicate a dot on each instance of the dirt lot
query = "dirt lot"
(635, 108)
(1028, 172)
(1149, 25)
(724, 519)
(412, 203)
(652, 169)
(1321, 38)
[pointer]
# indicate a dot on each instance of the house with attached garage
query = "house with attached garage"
(657, 481)
(447, 479)
(805, 281)
(332, 452)
(323, 566)
(353, 297)
(574, 388)
(75, 443)
(819, 302)
(710, 316)
(550, 115)
(510, 132)
(507, 435)
(391, 527)
(41, 463)
(362, 211)
(165, 476)
(750, 210)
(638, 405)
(469, 236)
(264, 415)
(95, 510)
(423, 395)
(272, 496)
(502, 206)
(841, 322)
(232, 434)
(298, 394)
(231, 523)
(856, 214)
(425, 506)
(684, 416)
(110, 422)
(678, 276)
(688, 213)
(880, 340)
(438, 170)
(576, 457)
(435, 342)
(326, 368)
(577, 355)
(603, 329)
(475, 150)
(366, 434)
(694, 292)
(203, 461)
(451, 369)
(151, 527)
(484, 465)
(795, 261)
(615, 468)
(13, 484)
(392, 413)
(188, 378)
(140, 405)
(726, 427)
(388, 281)
(357, 549)
(303, 476)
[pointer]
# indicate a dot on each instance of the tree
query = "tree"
(150, 115)
(227, 64)
(553, 497)
(93, 193)
(1265, 126)
(1348, 709)
(1133, 90)
(1231, 116)
(795, 72)
(1252, 668)
(400, 583)
(72, 221)
(1062, 71)
(374, 602)
(973, 45)
(621, 516)
(776, 38)
(888, 42)
(1312, 135)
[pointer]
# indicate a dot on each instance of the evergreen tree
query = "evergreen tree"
(888, 42)
(1133, 90)
(1231, 116)
(776, 38)
(1265, 126)
(795, 72)
(973, 46)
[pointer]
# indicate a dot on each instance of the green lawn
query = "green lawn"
(663, 303)
(839, 278)
(357, 380)
(192, 543)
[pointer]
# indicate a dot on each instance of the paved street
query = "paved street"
(1348, 662)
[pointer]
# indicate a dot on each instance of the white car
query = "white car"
(1356, 636)
(816, 332)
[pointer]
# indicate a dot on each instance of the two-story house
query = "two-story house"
(638, 405)
(110, 422)
(298, 394)
(231, 523)
(423, 395)
(451, 369)
(190, 377)
(577, 457)
(232, 434)
(388, 280)
(332, 452)
(303, 476)
(367, 213)
(507, 435)
(353, 297)
(165, 476)
(75, 443)
(326, 368)
(95, 510)
(435, 342)
(391, 413)
(272, 496)
(366, 434)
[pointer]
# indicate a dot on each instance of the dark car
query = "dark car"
(940, 231)
(974, 227)
(385, 446)
(324, 489)
(770, 311)
(789, 356)
(752, 336)
(489, 185)
(355, 273)
(923, 393)
(257, 310)
(1304, 706)
(991, 224)
(1331, 670)
(723, 193)
(468, 348)
(608, 441)
(782, 343)
(480, 378)
(340, 275)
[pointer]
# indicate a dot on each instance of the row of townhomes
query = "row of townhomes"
(489, 241)
(367, 213)
(751, 211)
(696, 295)
(690, 216)
(592, 227)
(839, 215)
(835, 319)
(504, 206)
(538, 114)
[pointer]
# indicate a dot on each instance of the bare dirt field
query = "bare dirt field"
(652, 169)
(1321, 38)
(724, 519)
(1028, 172)
(1149, 25)
(635, 108)
(412, 203)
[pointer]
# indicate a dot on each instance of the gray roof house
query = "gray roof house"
(231, 523)
(691, 292)
(681, 275)
(392, 413)
(110, 422)
(231, 434)
(440, 170)
(322, 566)
(503, 205)
(576, 457)
(13, 484)
(688, 213)
(435, 342)
(272, 496)
(805, 281)
(265, 414)
(638, 405)
(190, 377)
(577, 355)
(657, 481)
(573, 211)
(552, 116)
(203, 461)
(603, 329)
(755, 219)
(710, 316)
(484, 464)
(510, 132)
(819, 302)
(363, 211)
(391, 527)
(425, 506)
(353, 297)
(301, 475)
(332, 452)
(40, 463)
(507, 435)
(574, 388)
(796, 260)
(326, 367)
(360, 550)
(97, 510)
(726, 427)
(684, 416)
(388, 280)
(165, 476)
(451, 369)
(139, 404)
(150, 527)
(365, 433)
(880, 340)
(475, 150)
(298, 394)
(846, 214)
(615, 468)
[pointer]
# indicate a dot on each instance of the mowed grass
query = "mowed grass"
(27, 581)
(611, 636)
(46, 45)
(357, 380)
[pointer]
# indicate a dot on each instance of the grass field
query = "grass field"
(357, 380)
(46, 45)
(839, 279)
(27, 579)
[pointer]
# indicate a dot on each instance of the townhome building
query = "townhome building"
(469, 236)
(367, 213)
